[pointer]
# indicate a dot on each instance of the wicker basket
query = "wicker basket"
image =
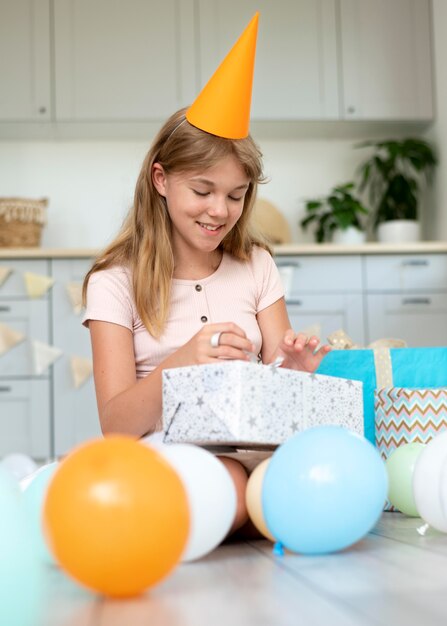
(21, 222)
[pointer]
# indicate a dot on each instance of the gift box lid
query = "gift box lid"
(245, 404)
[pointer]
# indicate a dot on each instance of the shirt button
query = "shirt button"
(198, 287)
(204, 318)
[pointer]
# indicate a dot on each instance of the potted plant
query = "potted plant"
(393, 175)
(337, 216)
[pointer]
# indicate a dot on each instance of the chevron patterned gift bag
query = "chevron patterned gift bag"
(407, 368)
(407, 416)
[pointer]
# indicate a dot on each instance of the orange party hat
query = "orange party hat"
(223, 106)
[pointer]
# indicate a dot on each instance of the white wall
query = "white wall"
(436, 228)
(90, 184)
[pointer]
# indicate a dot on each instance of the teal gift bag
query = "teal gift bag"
(405, 367)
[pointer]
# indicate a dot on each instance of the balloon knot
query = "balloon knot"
(278, 549)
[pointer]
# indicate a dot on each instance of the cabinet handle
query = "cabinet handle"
(42, 110)
(5, 309)
(416, 301)
(5, 389)
(296, 302)
(291, 264)
(416, 262)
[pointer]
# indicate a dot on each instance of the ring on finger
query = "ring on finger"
(214, 340)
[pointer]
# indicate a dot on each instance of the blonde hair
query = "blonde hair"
(144, 241)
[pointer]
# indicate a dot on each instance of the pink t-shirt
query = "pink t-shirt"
(236, 292)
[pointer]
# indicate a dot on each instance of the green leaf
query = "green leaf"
(313, 205)
(307, 220)
(393, 174)
(339, 209)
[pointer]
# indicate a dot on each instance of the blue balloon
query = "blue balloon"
(33, 498)
(20, 573)
(323, 490)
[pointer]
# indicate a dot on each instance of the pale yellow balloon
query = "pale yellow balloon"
(253, 499)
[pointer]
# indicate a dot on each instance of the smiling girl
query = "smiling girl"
(186, 281)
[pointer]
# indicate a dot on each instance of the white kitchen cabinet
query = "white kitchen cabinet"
(368, 294)
(29, 317)
(330, 313)
(75, 411)
(370, 62)
(25, 417)
(25, 60)
(14, 285)
(326, 291)
(406, 272)
(20, 313)
(418, 318)
(406, 298)
(25, 414)
(296, 57)
(140, 60)
(315, 274)
(123, 60)
(386, 59)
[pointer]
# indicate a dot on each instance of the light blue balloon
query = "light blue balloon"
(33, 499)
(9, 487)
(323, 490)
(20, 574)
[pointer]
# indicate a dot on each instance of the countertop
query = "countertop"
(422, 247)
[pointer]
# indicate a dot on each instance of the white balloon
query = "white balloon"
(443, 488)
(427, 482)
(211, 495)
(24, 482)
(19, 465)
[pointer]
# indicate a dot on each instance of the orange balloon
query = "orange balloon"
(253, 499)
(116, 516)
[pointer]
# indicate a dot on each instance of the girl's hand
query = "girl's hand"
(215, 342)
(300, 352)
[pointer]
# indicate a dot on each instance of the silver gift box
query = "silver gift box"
(245, 404)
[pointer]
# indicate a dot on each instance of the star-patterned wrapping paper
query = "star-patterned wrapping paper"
(247, 404)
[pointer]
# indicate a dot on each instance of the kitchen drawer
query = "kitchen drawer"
(419, 319)
(25, 417)
(73, 270)
(328, 274)
(406, 272)
(30, 317)
(14, 285)
(330, 311)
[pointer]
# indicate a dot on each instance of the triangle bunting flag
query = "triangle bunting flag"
(9, 338)
(37, 285)
(44, 356)
(81, 369)
(4, 273)
(74, 291)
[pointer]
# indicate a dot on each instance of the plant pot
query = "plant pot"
(350, 236)
(399, 231)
